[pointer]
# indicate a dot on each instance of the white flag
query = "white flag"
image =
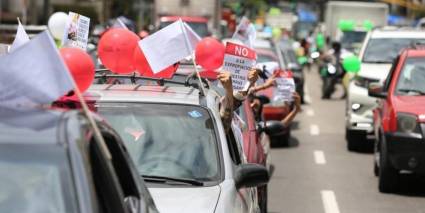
(33, 74)
(169, 45)
(245, 32)
(20, 39)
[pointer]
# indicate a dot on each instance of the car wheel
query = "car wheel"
(388, 176)
(355, 140)
(375, 169)
(280, 140)
(262, 198)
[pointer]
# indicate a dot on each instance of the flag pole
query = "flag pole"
(97, 135)
(201, 84)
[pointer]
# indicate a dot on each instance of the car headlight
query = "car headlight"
(407, 123)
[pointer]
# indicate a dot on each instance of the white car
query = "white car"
(379, 49)
(176, 138)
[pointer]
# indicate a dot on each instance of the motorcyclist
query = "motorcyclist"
(334, 57)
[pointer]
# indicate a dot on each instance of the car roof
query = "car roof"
(416, 52)
(198, 19)
(32, 126)
(145, 94)
(398, 33)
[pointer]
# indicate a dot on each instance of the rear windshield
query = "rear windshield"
(176, 141)
(35, 179)
(384, 50)
(200, 28)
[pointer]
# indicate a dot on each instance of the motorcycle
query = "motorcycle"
(330, 77)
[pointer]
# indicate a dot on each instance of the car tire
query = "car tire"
(280, 140)
(262, 198)
(388, 176)
(355, 140)
(375, 169)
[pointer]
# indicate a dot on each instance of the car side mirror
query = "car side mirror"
(251, 175)
(376, 90)
(271, 127)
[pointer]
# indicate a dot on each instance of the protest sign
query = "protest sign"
(245, 32)
(169, 45)
(239, 60)
(76, 31)
(285, 87)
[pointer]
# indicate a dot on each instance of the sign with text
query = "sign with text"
(239, 60)
(285, 87)
(76, 31)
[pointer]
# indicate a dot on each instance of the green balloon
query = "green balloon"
(302, 60)
(274, 11)
(276, 32)
(320, 40)
(346, 25)
(367, 25)
(351, 64)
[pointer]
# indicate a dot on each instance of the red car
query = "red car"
(399, 119)
(256, 145)
(198, 24)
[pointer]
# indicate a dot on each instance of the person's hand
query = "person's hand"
(226, 80)
(270, 81)
(253, 75)
(297, 101)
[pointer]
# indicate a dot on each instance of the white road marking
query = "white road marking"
(310, 112)
(329, 201)
(314, 129)
(307, 97)
(319, 157)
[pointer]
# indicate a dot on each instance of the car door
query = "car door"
(136, 196)
(247, 195)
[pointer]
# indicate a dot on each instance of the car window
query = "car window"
(384, 50)
(176, 141)
(261, 58)
(412, 77)
(36, 179)
(108, 189)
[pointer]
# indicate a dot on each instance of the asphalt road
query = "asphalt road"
(317, 174)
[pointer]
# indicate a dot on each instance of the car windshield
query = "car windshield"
(201, 28)
(261, 58)
(384, 50)
(352, 40)
(412, 77)
(175, 141)
(35, 179)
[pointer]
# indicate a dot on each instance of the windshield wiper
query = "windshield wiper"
(378, 62)
(412, 90)
(170, 180)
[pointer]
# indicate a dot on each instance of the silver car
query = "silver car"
(176, 138)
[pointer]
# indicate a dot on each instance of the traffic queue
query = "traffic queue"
(169, 123)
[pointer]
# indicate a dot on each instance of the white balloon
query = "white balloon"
(57, 23)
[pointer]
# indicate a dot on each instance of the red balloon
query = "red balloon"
(209, 53)
(80, 65)
(116, 49)
(209, 74)
(142, 66)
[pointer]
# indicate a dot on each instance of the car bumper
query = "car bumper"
(359, 118)
(406, 151)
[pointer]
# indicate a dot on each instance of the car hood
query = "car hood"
(410, 104)
(374, 71)
(186, 200)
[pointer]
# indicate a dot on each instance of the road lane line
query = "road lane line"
(329, 201)
(314, 129)
(319, 157)
(307, 97)
(310, 112)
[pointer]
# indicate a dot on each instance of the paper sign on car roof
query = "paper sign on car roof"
(238, 60)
